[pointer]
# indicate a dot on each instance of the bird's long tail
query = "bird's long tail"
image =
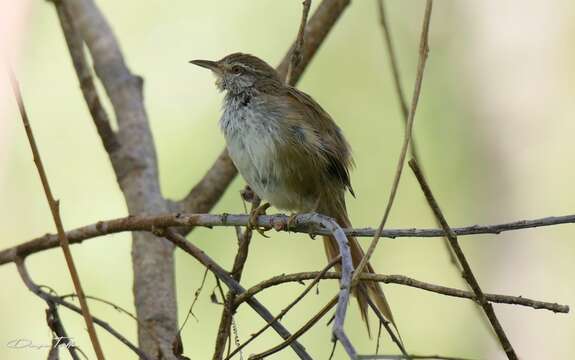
(366, 290)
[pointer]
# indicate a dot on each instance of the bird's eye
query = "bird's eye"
(236, 69)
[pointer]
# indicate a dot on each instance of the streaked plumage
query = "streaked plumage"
(288, 149)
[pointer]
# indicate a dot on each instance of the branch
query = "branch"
(23, 271)
(244, 240)
(308, 325)
(135, 166)
(55, 210)
(296, 55)
(84, 74)
(205, 194)
(467, 272)
(406, 281)
(233, 285)
(287, 308)
(423, 52)
(278, 222)
(401, 97)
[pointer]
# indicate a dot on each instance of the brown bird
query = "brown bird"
(289, 151)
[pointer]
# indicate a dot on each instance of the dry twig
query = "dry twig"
(23, 271)
(287, 308)
(467, 272)
(233, 285)
(406, 281)
(296, 55)
(423, 52)
(55, 210)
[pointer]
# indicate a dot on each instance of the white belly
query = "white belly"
(252, 145)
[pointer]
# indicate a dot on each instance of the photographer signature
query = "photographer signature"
(29, 344)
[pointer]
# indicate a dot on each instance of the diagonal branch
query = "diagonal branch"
(279, 316)
(87, 85)
(55, 210)
(244, 239)
(233, 285)
(400, 95)
(423, 52)
(467, 272)
(23, 271)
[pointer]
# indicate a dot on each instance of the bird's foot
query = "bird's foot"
(253, 222)
(291, 221)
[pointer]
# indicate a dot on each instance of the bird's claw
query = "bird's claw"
(253, 222)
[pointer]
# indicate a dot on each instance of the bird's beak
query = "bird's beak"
(212, 65)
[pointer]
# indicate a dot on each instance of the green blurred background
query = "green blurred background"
(494, 130)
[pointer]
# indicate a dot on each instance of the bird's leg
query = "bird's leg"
(253, 223)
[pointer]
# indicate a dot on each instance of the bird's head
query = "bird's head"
(238, 72)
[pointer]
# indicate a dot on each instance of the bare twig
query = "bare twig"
(401, 97)
(233, 285)
(196, 296)
(406, 281)
(423, 52)
(287, 308)
(296, 55)
(55, 210)
(55, 324)
(467, 272)
(308, 325)
(278, 222)
(413, 356)
(23, 271)
(226, 320)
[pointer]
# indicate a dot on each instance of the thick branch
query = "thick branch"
(279, 222)
(135, 166)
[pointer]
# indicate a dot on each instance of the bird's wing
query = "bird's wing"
(312, 126)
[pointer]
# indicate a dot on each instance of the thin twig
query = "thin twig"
(240, 259)
(55, 324)
(278, 222)
(287, 308)
(406, 281)
(413, 356)
(423, 52)
(467, 272)
(401, 97)
(196, 296)
(308, 325)
(55, 210)
(295, 57)
(23, 271)
(233, 285)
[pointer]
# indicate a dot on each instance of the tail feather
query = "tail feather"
(366, 290)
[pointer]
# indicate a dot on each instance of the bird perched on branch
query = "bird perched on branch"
(289, 151)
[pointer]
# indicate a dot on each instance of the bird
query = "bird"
(290, 152)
